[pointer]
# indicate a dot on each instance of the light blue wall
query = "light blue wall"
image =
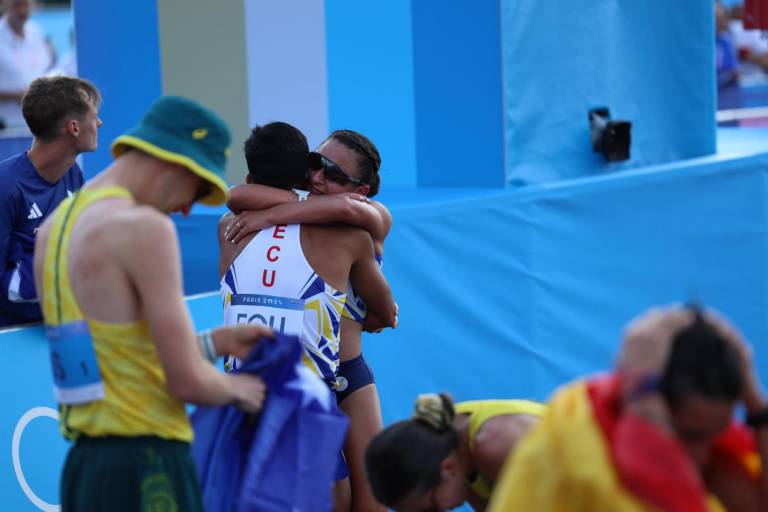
(371, 80)
(650, 62)
(458, 93)
(118, 50)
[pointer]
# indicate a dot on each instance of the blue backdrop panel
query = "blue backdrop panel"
(511, 295)
(13, 145)
(643, 60)
(199, 245)
(458, 102)
(370, 80)
(118, 50)
(30, 442)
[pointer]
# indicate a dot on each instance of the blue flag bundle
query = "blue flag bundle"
(286, 458)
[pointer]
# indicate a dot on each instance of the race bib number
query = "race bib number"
(76, 375)
(282, 314)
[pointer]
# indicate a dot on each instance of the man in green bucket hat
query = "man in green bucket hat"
(124, 354)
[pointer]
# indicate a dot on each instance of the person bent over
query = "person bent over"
(446, 454)
(656, 434)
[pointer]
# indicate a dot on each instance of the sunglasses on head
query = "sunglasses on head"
(332, 171)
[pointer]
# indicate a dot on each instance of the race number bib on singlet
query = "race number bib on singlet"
(76, 375)
(282, 314)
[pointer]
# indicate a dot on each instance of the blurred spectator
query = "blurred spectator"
(62, 114)
(24, 56)
(67, 64)
(751, 45)
(725, 52)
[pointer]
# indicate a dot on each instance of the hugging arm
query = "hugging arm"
(350, 208)
(370, 285)
(257, 197)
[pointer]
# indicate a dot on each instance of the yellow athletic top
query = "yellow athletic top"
(481, 411)
(136, 401)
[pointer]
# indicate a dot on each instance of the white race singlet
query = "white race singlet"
(271, 282)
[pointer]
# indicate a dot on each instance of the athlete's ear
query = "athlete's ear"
(72, 127)
(363, 190)
(449, 467)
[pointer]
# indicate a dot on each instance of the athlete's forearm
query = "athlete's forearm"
(258, 197)
(204, 386)
(317, 210)
(370, 285)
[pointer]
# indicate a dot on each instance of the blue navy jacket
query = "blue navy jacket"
(26, 200)
(286, 458)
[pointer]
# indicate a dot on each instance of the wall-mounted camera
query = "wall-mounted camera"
(611, 138)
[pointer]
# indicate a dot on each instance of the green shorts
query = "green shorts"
(113, 474)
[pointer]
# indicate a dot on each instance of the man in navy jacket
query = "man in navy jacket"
(62, 114)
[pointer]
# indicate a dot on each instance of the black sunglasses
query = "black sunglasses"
(332, 171)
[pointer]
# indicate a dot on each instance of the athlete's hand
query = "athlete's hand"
(374, 324)
(238, 340)
(249, 391)
(245, 223)
(648, 339)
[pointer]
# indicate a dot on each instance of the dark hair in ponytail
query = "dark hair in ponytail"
(407, 455)
(368, 158)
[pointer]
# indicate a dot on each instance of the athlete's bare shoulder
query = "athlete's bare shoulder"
(128, 233)
(143, 225)
(223, 223)
(339, 232)
(352, 240)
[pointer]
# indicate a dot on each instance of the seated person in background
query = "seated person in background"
(24, 56)
(752, 47)
(446, 455)
(63, 115)
(726, 57)
(657, 434)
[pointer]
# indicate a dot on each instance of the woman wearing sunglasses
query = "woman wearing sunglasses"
(342, 175)
(446, 454)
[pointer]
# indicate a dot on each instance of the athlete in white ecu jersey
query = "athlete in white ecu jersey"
(294, 277)
(271, 282)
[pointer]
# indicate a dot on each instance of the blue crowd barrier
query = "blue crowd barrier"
(12, 144)
(501, 293)
(31, 443)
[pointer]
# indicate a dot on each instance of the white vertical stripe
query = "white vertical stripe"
(287, 72)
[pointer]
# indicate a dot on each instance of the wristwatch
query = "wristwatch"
(301, 195)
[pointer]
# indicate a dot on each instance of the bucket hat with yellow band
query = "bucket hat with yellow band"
(184, 132)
